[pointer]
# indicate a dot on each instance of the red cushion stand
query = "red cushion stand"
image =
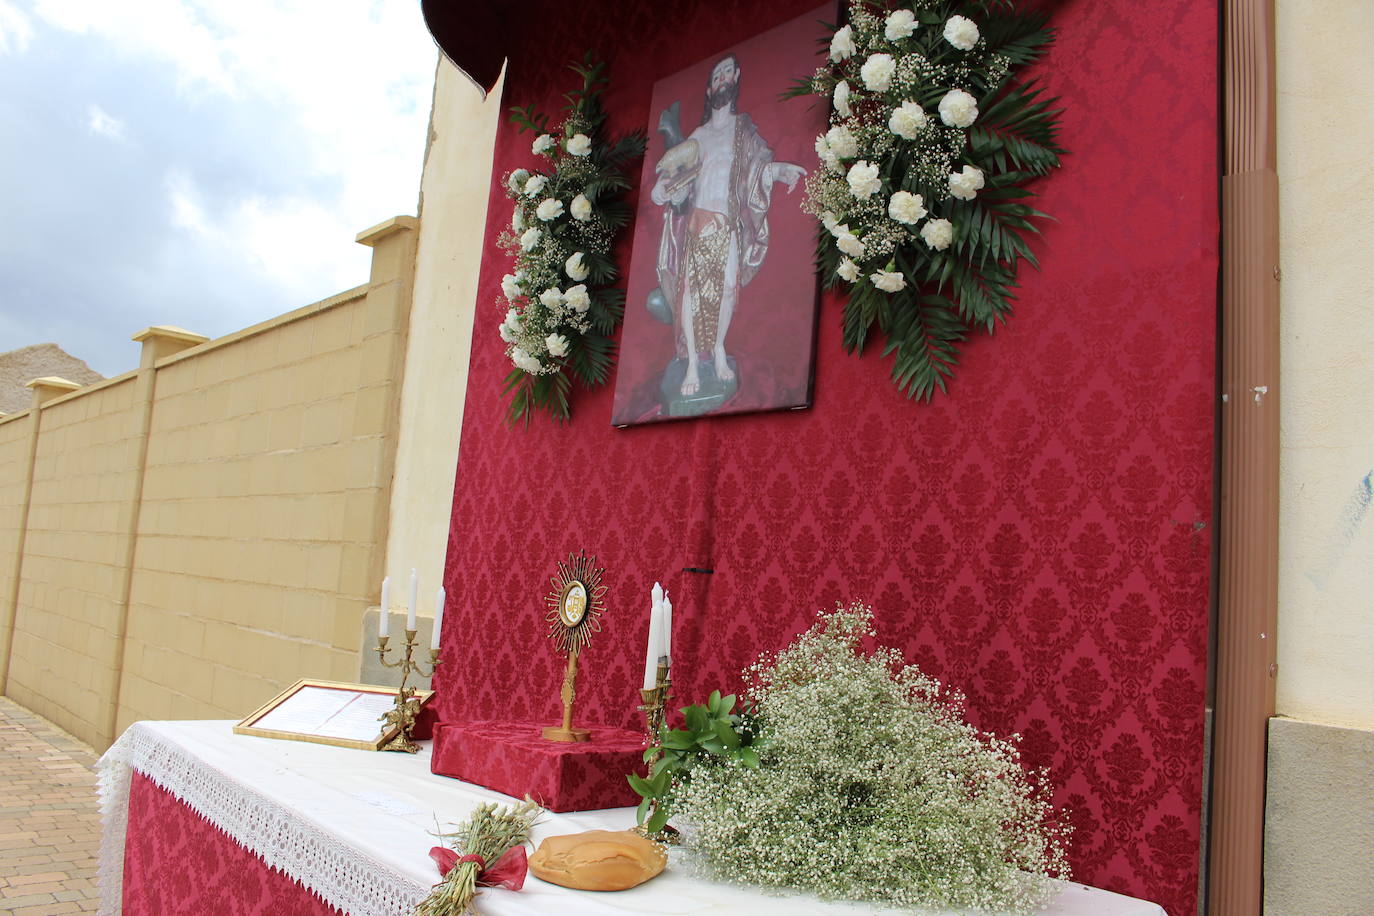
(513, 758)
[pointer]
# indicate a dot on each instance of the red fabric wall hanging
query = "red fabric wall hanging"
(1039, 538)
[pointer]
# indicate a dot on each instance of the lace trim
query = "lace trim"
(340, 875)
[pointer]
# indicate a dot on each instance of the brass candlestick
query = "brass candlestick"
(655, 706)
(407, 707)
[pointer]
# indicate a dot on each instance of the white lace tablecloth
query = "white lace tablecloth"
(355, 829)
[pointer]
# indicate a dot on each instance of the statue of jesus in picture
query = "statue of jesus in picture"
(715, 187)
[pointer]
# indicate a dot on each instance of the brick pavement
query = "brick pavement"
(49, 818)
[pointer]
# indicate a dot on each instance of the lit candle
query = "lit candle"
(384, 620)
(666, 609)
(438, 619)
(655, 628)
(410, 611)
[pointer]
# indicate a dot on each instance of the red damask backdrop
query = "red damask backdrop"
(1039, 538)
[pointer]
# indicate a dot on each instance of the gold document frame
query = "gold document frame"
(385, 732)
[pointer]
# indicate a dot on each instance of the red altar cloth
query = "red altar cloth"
(176, 862)
(511, 757)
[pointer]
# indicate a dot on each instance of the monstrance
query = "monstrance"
(575, 606)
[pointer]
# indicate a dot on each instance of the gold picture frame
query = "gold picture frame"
(321, 718)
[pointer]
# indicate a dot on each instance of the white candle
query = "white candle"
(384, 621)
(655, 628)
(410, 610)
(667, 632)
(438, 619)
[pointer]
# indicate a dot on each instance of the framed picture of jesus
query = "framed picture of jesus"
(720, 313)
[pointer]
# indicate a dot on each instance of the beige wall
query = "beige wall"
(1326, 574)
(454, 192)
(197, 569)
(85, 473)
(15, 445)
(1320, 807)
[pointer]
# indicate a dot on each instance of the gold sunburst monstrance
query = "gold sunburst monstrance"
(574, 606)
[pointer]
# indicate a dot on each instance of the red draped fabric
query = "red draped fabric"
(1039, 538)
(176, 863)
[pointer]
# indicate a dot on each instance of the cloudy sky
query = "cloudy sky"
(200, 163)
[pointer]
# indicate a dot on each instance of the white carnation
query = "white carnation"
(529, 239)
(848, 270)
(900, 24)
(517, 179)
(576, 267)
(580, 145)
(542, 144)
(525, 361)
(961, 32)
(850, 244)
(966, 184)
(842, 98)
(510, 285)
(551, 298)
(535, 185)
(828, 221)
(577, 299)
(842, 142)
(889, 281)
(907, 120)
(842, 44)
(580, 208)
(511, 327)
(877, 71)
(517, 220)
(549, 209)
(958, 108)
(839, 229)
(557, 344)
(826, 155)
(938, 233)
(863, 180)
(906, 207)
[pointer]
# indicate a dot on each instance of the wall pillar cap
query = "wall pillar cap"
(49, 387)
(371, 237)
(163, 340)
(170, 332)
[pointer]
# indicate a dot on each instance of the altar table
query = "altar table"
(200, 820)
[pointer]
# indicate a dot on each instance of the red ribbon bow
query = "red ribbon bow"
(509, 870)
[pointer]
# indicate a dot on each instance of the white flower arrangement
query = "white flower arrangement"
(561, 309)
(864, 782)
(929, 146)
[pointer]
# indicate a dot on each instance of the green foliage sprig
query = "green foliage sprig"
(923, 196)
(561, 305)
(715, 735)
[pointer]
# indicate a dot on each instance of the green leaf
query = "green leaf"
(641, 811)
(640, 785)
(658, 821)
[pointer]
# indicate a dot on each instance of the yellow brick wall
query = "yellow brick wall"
(65, 646)
(265, 480)
(210, 527)
(14, 468)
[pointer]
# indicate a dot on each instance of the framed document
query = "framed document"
(328, 712)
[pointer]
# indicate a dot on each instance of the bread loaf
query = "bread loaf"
(598, 860)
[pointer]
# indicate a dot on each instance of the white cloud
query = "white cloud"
(102, 123)
(15, 30)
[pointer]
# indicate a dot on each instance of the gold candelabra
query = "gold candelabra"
(407, 708)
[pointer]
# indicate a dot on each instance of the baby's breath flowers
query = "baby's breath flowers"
(870, 786)
(925, 106)
(560, 308)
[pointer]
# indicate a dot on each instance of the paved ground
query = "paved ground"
(49, 818)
